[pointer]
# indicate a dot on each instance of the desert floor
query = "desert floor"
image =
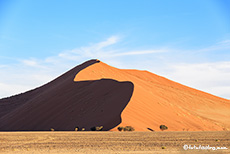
(112, 142)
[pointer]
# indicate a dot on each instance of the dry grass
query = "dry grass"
(111, 142)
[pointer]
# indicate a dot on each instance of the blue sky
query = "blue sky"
(186, 41)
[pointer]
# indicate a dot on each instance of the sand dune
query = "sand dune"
(65, 105)
(157, 100)
(96, 94)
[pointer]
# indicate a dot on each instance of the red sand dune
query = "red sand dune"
(64, 104)
(95, 94)
(157, 100)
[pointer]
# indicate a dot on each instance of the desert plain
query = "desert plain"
(113, 142)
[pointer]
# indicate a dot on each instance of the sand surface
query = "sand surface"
(112, 142)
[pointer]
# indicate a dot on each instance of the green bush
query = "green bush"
(120, 128)
(97, 128)
(163, 127)
(129, 128)
(126, 128)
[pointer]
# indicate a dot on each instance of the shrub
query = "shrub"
(83, 129)
(120, 128)
(93, 128)
(97, 128)
(128, 128)
(163, 127)
(51, 129)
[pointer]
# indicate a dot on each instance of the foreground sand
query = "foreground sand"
(111, 142)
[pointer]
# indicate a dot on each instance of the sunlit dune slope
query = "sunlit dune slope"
(157, 100)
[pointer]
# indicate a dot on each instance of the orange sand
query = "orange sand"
(157, 100)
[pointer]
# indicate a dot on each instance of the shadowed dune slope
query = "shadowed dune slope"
(64, 104)
(157, 100)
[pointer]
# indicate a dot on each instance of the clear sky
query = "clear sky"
(187, 41)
